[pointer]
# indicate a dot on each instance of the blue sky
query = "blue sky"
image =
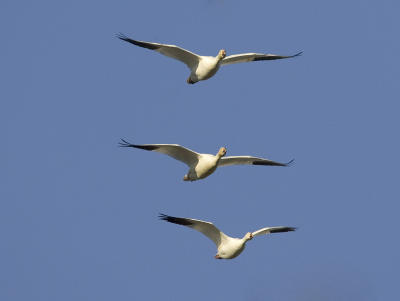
(78, 215)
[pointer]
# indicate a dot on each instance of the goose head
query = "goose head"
(221, 152)
(221, 54)
(248, 236)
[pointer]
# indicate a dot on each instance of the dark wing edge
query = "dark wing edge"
(150, 46)
(283, 229)
(175, 220)
(277, 57)
(125, 143)
(273, 163)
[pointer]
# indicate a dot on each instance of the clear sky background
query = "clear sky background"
(78, 214)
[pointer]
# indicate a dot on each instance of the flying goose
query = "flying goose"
(228, 247)
(201, 165)
(203, 67)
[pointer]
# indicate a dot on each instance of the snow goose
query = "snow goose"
(228, 247)
(203, 67)
(201, 165)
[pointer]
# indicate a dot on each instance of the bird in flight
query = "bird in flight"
(202, 165)
(228, 247)
(203, 67)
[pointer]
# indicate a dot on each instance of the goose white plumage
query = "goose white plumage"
(228, 247)
(201, 165)
(203, 67)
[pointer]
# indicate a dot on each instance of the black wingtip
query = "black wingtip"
(162, 216)
(298, 54)
(290, 163)
(147, 45)
(283, 229)
(121, 36)
(124, 143)
(174, 220)
(272, 163)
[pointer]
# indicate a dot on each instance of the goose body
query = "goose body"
(206, 68)
(231, 248)
(203, 67)
(227, 247)
(206, 165)
(202, 165)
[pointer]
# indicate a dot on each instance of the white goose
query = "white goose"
(228, 247)
(203, 67)
(201, 165)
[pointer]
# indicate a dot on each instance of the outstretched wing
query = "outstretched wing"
(207, 228)
(269, 230)
(189, 58)
(249, 160)
(175, 151)
(249, 57)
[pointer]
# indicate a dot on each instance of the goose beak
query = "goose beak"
(217, 257)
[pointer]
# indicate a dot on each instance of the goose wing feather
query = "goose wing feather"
(175, 151)
(269, 230)
(207, 228)
(189, 58)
(241, 160)
(249, 57)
